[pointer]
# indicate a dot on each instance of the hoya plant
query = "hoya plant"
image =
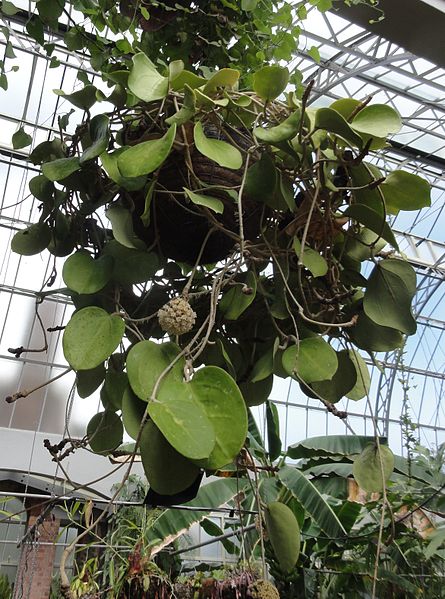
(215, 237)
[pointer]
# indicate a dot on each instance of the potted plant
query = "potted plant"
(218, 231)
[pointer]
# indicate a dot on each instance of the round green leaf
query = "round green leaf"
(235, 301)
(133, 410)
(131, 266)
(122, 224)
(113, 390)
(21, 139)
(370, 336)
(182, 421)
(387, 299)
(219, 396)
(312, 360)
(167, 471)
(312, 260)
(110, 164)
(377, 120)
(83, 98)
(220, 79)
(83, 274)
(90, 337)
(270, 81)
(158, 356)
(61, 168)
(341, 383)
(333, 122)
(32, 240)
(256, 394)
(217, 150)
(144, 80)
(361, 387)
(146, 157)
(405, 191)
(372, 220)
(345, 106)
(87, 381)
(284, 534)
(105, 432)
(370, 465)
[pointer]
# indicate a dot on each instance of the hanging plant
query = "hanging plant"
(246, 223)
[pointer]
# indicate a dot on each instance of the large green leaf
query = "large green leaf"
(21, 139)
(373, 221)
(312, 260)
(83, 98)
(61, 168)
(87, 381)
(235, 301)
(273, 431)
(282, 132)
(363, 177)
(144, 80)
(313, 359)
(261, 180)
(159, 356)
(312, 501)
(32, 240)
(174, 523)
(370, 336)
(122, 224)
(114, 387)
(131, 266)
(270, 81)
(361, 387)
(333, 122)
(387, 299)
(217, 150)
(221, 79)
(343, 445)
(110, 164)
(133, 410)
(183, 421)
(214, 392)
(377, 120)
(405, 191)
(284, 534)
(167, 471)
(90, 337)
(343, 381)
(200, 199)
(83, 274)
(105, 432)
(146, 157)
(99, 135)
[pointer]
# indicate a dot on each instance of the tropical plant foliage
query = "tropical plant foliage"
(219, 231)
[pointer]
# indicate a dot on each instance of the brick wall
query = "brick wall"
(35, 569)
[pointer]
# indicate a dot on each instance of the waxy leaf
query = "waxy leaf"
(201, 200)
(110, 164)
(388, 296)
(313, 359)
(187, 110)
(270, 81)
(363, 384)
(221, 79)
(105, 432)
(167, 471)
(159, 356)
(122, 225)
(32, 240)
(90, 337)
(186, 79)
(133, 410)
(377, 120)
(343, 381)
(273, 431)
(144, 80)
(311, 259)
(131, 266)
(83, 274)
(405, 191)
(220, 400)
(87, 381)
(217, 150)
(235, 301)
(368, 335)
(99, 134)
(21, 139)
(373, 221)
(61, 168)
(146, 157)
(333, 122)
(83, 99)
(282, 132)
(284, 534)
